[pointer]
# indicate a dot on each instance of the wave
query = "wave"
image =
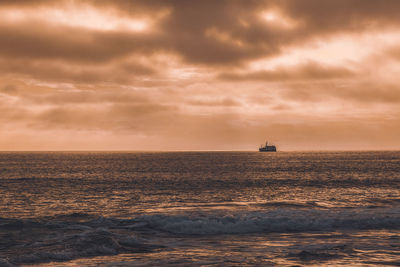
(65, 238)
(290, 204)
(279, 221)
(77, 235)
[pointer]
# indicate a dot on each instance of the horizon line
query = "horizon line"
(200, 150)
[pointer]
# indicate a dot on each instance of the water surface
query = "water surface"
(200, 208)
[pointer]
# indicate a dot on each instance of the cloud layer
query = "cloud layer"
(185, 75)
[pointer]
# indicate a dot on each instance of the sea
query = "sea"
(200, 208)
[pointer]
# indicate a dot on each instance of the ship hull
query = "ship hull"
(273, 149)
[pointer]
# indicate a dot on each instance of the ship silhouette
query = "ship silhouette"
(267, 148)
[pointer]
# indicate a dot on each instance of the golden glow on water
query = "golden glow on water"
(221, 208)
(250, 250)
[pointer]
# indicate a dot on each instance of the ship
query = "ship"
(267, 148)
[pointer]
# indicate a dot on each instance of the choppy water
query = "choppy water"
(200, 208)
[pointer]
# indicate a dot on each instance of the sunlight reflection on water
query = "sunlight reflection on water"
(201, 208)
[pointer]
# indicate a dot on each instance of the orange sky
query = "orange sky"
(199, 75)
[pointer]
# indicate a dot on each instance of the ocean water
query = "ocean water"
(200, 209)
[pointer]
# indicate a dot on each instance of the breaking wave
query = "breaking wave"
(281, 221)
(71, 236)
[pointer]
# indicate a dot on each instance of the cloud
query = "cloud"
(183, 31)
(392, 52)
(42, 41)
(224, 102)
(341, 15)
(237, 33)
(206, 32)
(121, 72)
(199, 74)
(8, 89)
(361, 92)
(309, 71)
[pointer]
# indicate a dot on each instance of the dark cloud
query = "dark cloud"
(370, 93)
(236, 31)
(121, 72)
(66, 97)
(360, 92)
(42, 41)
(225, 102)
(25, 3)
(343, 15)
(185, 29)
(309, 71)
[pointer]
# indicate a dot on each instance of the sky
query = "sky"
(199, 75)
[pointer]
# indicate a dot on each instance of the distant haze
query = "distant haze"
(199, 75)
